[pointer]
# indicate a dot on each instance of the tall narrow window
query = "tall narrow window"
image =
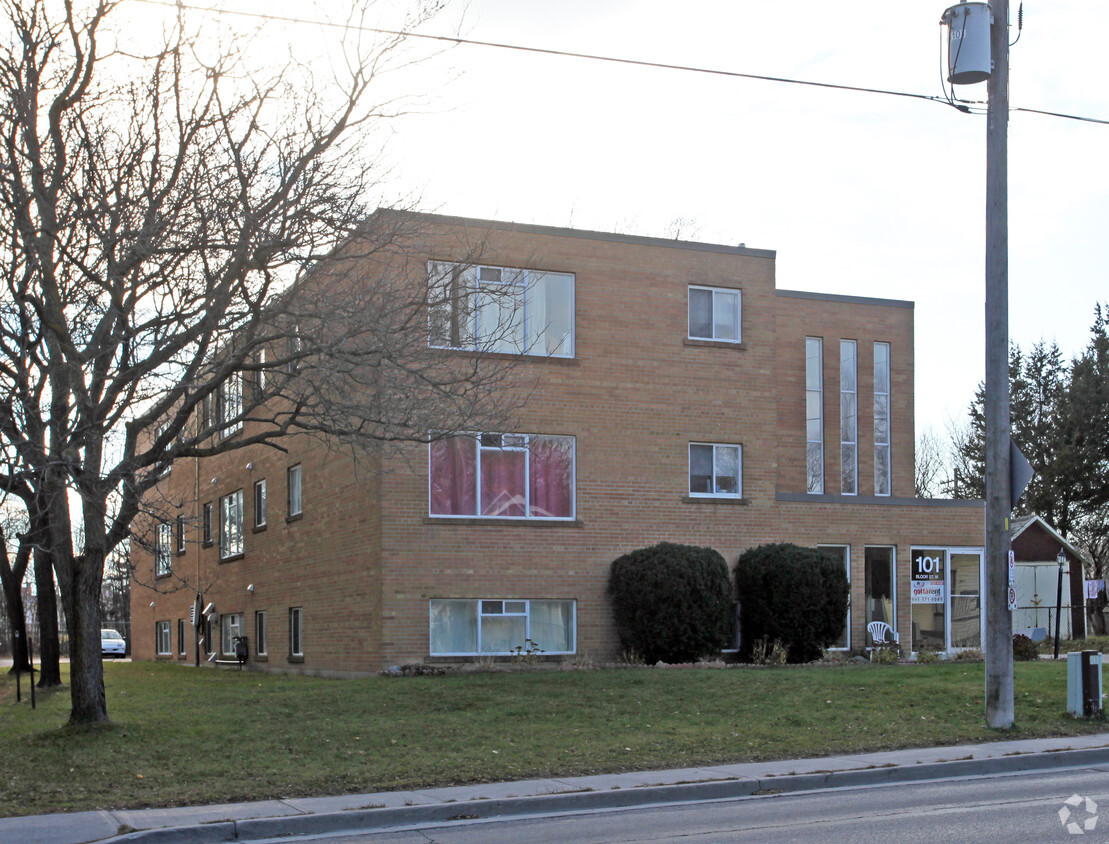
(163, 538)
(162, 644)
(229, 400)
(261, 646)
(842, 553)
(814, 414)
(293, 478)
(180, 534)
(260, 503)
(879, 588)
(181, 637)
(882, 419)
(848, 418)
(206, 524)
(231, 525)
(296, 631)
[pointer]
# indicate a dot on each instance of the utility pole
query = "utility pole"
(999, 622)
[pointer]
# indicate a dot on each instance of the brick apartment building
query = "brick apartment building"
(681, 397)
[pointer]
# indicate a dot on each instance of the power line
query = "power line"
(471, 42)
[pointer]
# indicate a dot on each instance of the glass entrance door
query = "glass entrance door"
(928, 594)
(946, 595)
(966, 599)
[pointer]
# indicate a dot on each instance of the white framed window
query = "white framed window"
(842, 552)
(181, 636)
(180, 534)
(500, 309)
(163, 560)
(880, 586)
(229, 404)
(231, 525)
(848, 417)
(882, 471)
(814, 415)
(231, 627)
(261, 643)
(162, 644)
(468, 626)
(296, 631)
(715, 470)
(508, 476)
(293, 484)
(260, 503)
(206, 523)
(715, 314)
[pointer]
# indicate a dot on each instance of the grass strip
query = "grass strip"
(180, 736)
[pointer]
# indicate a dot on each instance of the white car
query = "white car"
(112, 644)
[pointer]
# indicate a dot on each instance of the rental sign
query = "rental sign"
(928, 576)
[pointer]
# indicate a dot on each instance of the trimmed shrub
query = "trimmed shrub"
(671, 602)
(793, 594)
(1024, 649)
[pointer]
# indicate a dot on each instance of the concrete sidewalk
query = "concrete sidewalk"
(317, 815)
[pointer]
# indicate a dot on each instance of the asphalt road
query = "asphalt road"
(1012, 809)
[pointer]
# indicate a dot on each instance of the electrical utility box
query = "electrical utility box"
(968, 43)
(1084, 694)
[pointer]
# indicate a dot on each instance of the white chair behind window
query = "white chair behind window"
(881, 633)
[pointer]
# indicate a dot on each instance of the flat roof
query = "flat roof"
(847, 300)
(586, 234)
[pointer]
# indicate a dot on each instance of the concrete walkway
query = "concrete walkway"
(381, 810)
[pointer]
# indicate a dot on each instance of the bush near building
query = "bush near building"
(790, 594)
(671, 602)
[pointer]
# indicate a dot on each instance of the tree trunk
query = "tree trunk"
(13, 599)
(81, 602)
(48, 642)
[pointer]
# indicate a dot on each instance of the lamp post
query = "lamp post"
(1062, 561)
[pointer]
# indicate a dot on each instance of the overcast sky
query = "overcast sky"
(859, 194)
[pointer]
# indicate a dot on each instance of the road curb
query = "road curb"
(369, 820)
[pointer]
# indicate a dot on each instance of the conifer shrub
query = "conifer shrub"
(792, 594)
(671, 602)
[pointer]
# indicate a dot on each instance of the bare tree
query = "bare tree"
(931, 464)
(156, 209)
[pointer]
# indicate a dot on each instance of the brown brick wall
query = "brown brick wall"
(366, 558)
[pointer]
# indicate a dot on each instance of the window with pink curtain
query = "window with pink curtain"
(503, 482)
(552, 478)
(518, 476)
(454, 477)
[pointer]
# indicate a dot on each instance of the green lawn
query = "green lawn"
(183, 736)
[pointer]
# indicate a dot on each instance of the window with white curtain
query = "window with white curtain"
(468, 626)
(231, 525)
(500, 309)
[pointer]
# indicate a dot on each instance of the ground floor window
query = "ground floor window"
(260, 645)
(296, 631)
(843, 553)
(162, 644)
(232, 628)
(464, 626)
(878, 564)
(181, 636)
